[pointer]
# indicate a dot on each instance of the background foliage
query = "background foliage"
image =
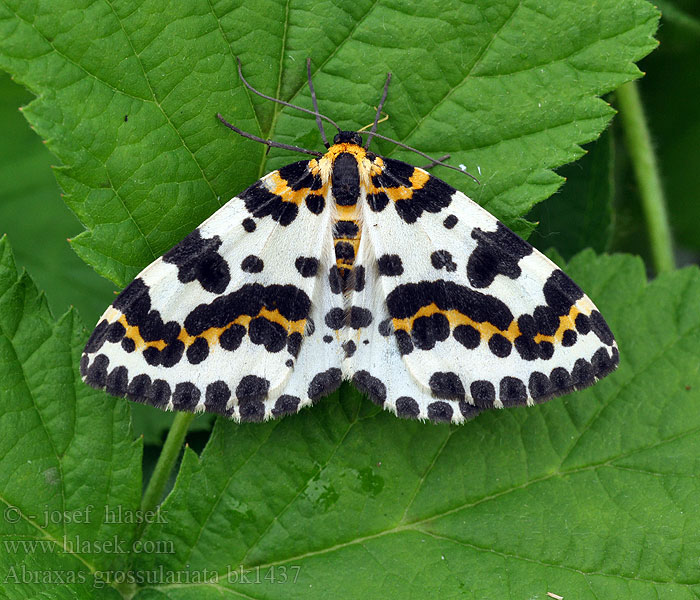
(589, 496)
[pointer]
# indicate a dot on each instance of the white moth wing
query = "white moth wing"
(220, 322)
(476, 318)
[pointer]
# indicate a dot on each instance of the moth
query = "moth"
(349, 266)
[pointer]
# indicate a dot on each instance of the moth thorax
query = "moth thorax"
(345, 179)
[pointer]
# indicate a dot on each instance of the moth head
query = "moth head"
(348, 137)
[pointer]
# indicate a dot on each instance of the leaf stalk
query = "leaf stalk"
(646, 170)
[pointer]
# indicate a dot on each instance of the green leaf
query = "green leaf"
(66, 452)
(581, 215)
(593, 496)
(128, 93)
(590, 496)
(33, 214)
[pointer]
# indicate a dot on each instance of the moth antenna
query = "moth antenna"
(372, 131)
(269, 143)
(430, 158)
(319, 122)
(435, 162)
(282, 102)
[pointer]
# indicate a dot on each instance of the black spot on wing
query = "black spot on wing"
(601, 329)
(440, 412)
(360, 317)
(117, 381)
(291, 302)
(186, 396)
(403, 341)
(443, 259)
(407, 408)
(469, 411)
(546, 321)
(583, 323)
(385, 327)
(216, 398)
(97, 371)
(298, 176)
(582, 374)
(324, 383)
(405, 300)
(395, 173)
(267, 333)
(315, 203)
(540, 387)
(138, 388)
(483, 393)
(377, 202)
(497, 252)
(446, 385)
(428, 330)
(499, 345)
(512, 391)
(251, 411)
(232, 337)
(335, 318)
(294, 344)
(252, 264)
(569, 338)
(286, 405)
(561, 293)
(198, 351)
(261, 202)
(252, 387)
(371, 386)
(432, 197)
(560, 379)
(603, 363)
(390, 265)
(306, 266)
(197, 258)
(98, 337)
(84, 362)
(466, 335)
(450, 221)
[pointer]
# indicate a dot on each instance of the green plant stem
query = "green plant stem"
(646, 170)
(166, 461)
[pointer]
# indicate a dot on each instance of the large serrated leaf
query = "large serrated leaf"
(589, 496)
(66, 451)
(128, 93)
